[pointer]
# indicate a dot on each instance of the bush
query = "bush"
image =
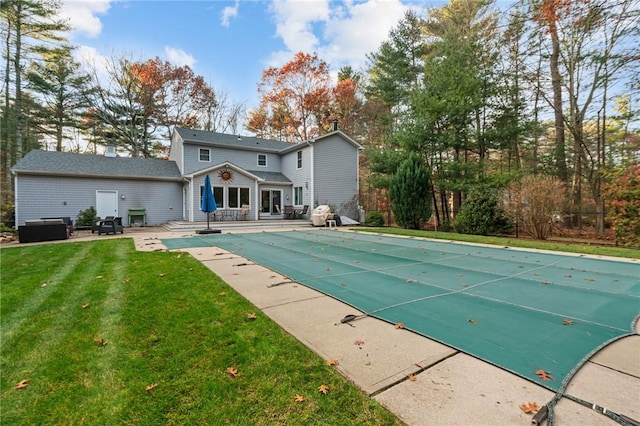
(532, 201)
(87, 217)
(374, 219)
(480, 214)
(622, 195)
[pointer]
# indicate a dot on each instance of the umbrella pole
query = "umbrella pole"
(208, 220)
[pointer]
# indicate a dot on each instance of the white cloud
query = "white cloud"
(342, 33)
(359, 29)
(294, 22)
(179, 57)
(83, 17)
(229, 12)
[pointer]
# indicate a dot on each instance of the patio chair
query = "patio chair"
(112, 225)
(288, 212)
(95, 226)
(244, 211)
(299, 213)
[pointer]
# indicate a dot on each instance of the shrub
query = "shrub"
(87, 217)
(622, 195)
(532, 201)
(374, 219)
(481, 214)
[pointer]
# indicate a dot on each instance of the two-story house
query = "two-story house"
(263, 175)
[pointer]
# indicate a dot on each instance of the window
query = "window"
(218, 194)
(238, 197)
(299, 159)
(262, 160)
(297, 195)
(204, 154)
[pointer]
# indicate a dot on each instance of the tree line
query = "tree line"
(481, 95)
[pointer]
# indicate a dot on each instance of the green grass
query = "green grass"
(167, 320)
(581, 248)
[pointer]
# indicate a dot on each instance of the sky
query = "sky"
(231, 42)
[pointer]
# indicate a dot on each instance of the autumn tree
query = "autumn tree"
(295, 100)
(594, 44)
(141, 102)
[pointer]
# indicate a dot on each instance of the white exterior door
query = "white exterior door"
(106, 203)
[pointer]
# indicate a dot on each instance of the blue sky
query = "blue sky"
(230, 42)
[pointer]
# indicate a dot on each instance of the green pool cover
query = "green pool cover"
(520, 310)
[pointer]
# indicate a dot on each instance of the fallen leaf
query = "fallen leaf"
(399, 325)
(544, 375)
(99, 277)
(323, 389)
(272, 276)
(472, 321)
(567, 322)
(251, 315)
(333, 362)
(222, 293)
(299, 398)
(43, 285)
(101, 342)
(148, 388)
(161, 275)
(329, 268)
(529, 408)
(412, 378)
(86, 305)
(232, 372)
(545, 282)
(179, 256)
(22, 384)
(359, 342)
(126, 280)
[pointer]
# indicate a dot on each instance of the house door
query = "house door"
(107, 203)
(270, 202)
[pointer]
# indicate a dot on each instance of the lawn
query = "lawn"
(582, 248)
(101, 333)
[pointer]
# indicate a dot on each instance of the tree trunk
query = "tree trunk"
(18, 81)
(556, 83)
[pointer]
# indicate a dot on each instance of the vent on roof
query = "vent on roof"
(111, 151)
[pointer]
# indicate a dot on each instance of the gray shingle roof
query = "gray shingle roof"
(270, 176)
(71, 164)
(234, 141)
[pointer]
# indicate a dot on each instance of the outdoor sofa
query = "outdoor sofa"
(43, 230)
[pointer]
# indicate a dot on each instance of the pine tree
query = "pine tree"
(410, 193)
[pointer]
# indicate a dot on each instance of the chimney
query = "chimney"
(335, 124)
(110, 151)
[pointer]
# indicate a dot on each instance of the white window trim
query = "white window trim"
(299, 160)
(265, 160)
(200, 157)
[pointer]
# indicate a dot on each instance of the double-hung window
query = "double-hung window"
(204, 155)
(262, 160)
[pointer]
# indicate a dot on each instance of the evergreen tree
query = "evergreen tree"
(410, 193)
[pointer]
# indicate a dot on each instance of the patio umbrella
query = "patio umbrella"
(208, 205)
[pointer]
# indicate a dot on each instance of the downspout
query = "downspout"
(16, 208)
(312, 174)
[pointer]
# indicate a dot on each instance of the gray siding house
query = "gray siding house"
(265, 175)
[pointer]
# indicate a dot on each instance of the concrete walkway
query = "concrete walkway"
(447, 387)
